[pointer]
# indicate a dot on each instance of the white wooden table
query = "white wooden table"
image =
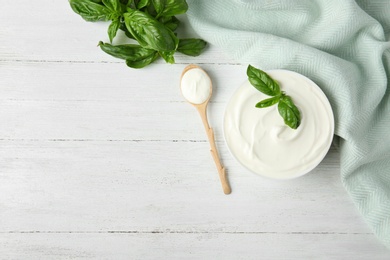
(101, 161)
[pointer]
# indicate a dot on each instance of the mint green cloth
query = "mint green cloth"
(342, 45)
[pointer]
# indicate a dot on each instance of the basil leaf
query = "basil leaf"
(170, 7)
(289, 112)
(142, 3)
(142, 62)
(113, 5)
(168, 56)
(175, 7)
(171, 22)
(191, 47)
(135, 55)
(89, 10)
(132, 4)
(149, 9)
(130, 52)
(268, 102)
(262, 82)
(124, 29)
(158, 5)
(149, 32)
(113, 28)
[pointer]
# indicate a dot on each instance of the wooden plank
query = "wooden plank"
(148, 186)
(56, 81)
(50, 31)
(103, 101)
(190, 246)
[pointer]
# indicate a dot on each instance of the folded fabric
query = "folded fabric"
(344, 47)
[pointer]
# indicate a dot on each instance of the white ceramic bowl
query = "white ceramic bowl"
(261, 142)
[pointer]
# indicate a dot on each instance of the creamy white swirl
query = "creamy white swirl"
(196, 86)
(260, 140)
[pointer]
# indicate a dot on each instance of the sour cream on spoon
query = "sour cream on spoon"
(195, 86)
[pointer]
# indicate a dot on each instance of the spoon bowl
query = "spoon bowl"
(203, 93)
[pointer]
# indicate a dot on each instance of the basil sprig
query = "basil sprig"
(270, 87)
(151, 23)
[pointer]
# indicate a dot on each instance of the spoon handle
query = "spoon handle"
(202, 109)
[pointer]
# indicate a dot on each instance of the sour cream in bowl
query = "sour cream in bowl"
(259, 139)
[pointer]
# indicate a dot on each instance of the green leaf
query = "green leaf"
(149, 9)
(142, 3)
(140, 63)
(262, 81)
(132, 4)
(113, 28)
(171, 22)
(168, 56)
(132, 52)
(135, 55)
(170, 7)
(149, 32)
(268, 102)
(113, 5)
(191, 47)
(158, 5)
(289, 112)
(124, 29)
(90, 11)
(175, 7)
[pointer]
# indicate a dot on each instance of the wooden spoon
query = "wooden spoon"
(202, 109)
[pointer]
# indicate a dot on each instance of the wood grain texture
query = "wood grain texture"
(100, 161)
(50, 31)
(188, 246)
(166, 185)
